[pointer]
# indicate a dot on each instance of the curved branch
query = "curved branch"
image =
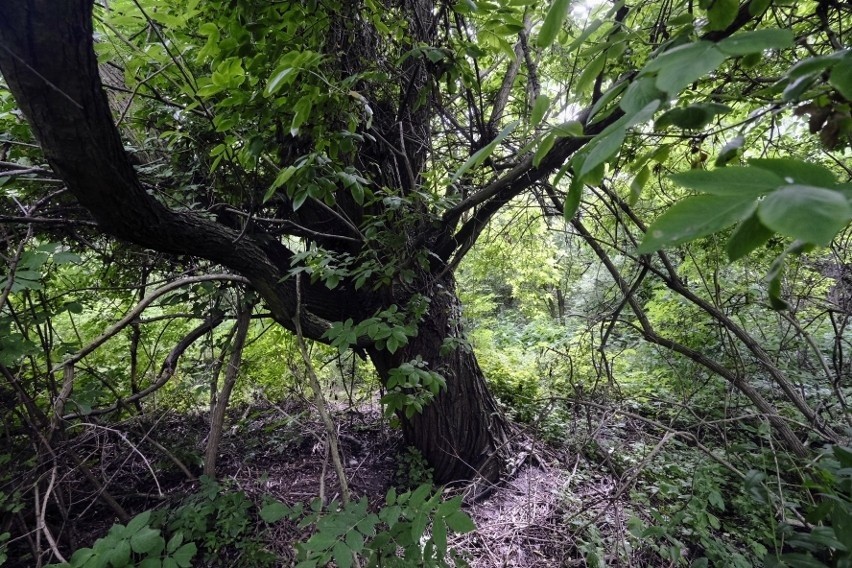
(48, 61)
(140, 307)
(166, 370)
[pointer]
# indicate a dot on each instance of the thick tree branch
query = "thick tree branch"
(48, 61)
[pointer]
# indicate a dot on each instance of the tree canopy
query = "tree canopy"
(330, 169)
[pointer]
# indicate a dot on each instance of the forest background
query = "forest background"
(601, 248)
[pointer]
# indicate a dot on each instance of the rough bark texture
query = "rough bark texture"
(462, 433)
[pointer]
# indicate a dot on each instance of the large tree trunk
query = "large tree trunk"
(48, 62)
(462, 433)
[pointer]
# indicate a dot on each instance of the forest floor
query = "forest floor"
(534, 519)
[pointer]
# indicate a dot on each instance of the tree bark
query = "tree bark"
(462, 433)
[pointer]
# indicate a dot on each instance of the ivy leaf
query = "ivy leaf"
(811, 214)
(552, 23)
(695, 217)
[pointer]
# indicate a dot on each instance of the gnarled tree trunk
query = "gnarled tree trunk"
(462, 433)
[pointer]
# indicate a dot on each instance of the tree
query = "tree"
(344, 160)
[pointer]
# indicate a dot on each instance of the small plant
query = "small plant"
(413, 469)
(219, 520)
(136, 544)
(828, 541)
(396, 535)
(411, 387)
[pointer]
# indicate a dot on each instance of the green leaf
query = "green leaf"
(484, 152)
(439, 534)
(731, 181)
(811, 214)
(459, 522)
(543, 148)
(730, 150)
(146, 540)
(748, 235)
(138, 522)
(692, 117)
(841, 77)
(640, 94)
(722, 13)
(796, 171)
(274, 512)
(184, 555)
(695, 217)
(279, 80)
(572, 200)
(572, 128)
(301, 110)
(638, 184)
(756, 41)
(589, 74)
(683, 65)
(552, 23)
(542, 103)
(796, 560)
(174, 542)
(342, 555)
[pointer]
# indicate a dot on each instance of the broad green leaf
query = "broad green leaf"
(748, 235)
(683, 65)
(640, 94)
(542, 103)
(183, 556)
(756, 41)
(543, 148)
(571, 128)
(811, 214)
(301, 112)
(572, 200)
(841, 77)
(722, 13)
(279, 80)
(638, 184)
(342, 555)
(459, 522)
(609, 141)
(138, 522)
(588, 75)
(695, 217)
(439, 534)
(274, 512)
(796, 171)
(552, 22)
(146, 540)
(731, 181)
(484, 152)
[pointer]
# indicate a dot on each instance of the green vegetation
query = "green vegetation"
(322, 284)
